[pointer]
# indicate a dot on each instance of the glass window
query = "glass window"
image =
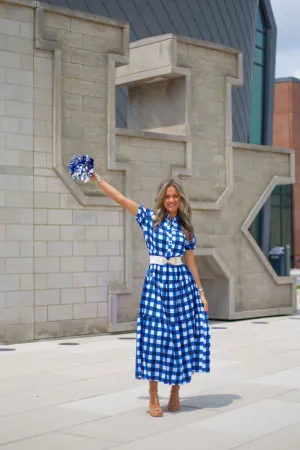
(257, 106)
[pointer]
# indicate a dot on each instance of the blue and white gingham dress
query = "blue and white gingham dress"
(173, 338)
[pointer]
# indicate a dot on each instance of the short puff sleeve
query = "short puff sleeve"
(142, 215)
(191, 245)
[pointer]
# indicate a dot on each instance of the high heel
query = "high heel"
(155, 409)
(174, 402)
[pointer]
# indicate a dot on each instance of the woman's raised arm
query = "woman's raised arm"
(115, 195)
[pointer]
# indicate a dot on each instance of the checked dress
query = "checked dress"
(173, 338)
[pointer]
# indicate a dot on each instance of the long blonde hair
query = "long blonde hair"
(185, 208)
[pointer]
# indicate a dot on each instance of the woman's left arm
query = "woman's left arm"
(189, 260)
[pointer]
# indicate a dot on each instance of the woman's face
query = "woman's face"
(172, 201)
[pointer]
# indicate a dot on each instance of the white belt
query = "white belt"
(175, 261)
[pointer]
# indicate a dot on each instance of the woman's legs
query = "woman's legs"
(174, 401)
(155, 409)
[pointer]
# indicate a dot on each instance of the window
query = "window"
(256, 130)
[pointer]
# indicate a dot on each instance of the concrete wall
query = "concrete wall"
(72, 262)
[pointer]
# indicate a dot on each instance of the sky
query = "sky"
(287, 17)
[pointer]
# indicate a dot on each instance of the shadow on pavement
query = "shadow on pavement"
(204, 401)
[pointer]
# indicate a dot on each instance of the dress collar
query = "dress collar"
(173, 219)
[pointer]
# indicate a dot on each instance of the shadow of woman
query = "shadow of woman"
(214, 401)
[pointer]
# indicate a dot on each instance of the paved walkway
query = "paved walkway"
(85, 397)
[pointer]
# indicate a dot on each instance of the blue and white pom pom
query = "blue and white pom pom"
(81, 168)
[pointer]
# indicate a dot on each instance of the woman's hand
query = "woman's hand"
(205, 303)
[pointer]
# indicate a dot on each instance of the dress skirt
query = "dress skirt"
(173, 338)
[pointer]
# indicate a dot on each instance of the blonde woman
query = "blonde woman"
(173, 339)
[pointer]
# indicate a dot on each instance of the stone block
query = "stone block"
(72, 296)
(73, 70)
(26, 30)
(10, 60)
(98, 264)
(58, 22)
(46, 233)
(47, 330)
(96, 326)
(40, 184)
(21, 199)
(84, 57)
(108, 218)
(72, 40)
(94, 44)
(26, 282)
(19, 109)
(21, 332)
(19, 13)
(108, 248)
(85, 311)
(84, 248)
(41, 314)
(43, 144)
(60, 312)
(42, 128)
(116, 263)
(20, 77)
(19, 44)
(2, 10)
(96, 105)
(96, 294)
(19, 142)
(59, 217)
(46, 265)
(96, 233)
(40, 216)
(59, 280)
(83, 27)
(73, 327)
(43, 112)
(40, 249)
(69, 201)
(19, 299)
(26, 315)
(72, 233)
(103, 309)
(96, 74)
(27, 249)
(10, 27)
(40, 281)
(43, 80)
(2, 79)
(84, 279)
(42, 96)
(116, 233)
(19, 233)
(47, 297)
(71, 264)
(19, 265)
(27, 64)
(72, 102)
(59, 248)
(80, 87)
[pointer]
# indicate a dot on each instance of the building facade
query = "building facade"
(72, 262)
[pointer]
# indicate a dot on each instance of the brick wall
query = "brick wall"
(287, 135)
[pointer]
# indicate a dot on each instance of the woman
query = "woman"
(173, 339)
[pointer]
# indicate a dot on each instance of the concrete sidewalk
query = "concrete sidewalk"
(85, 397)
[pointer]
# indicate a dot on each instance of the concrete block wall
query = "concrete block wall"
(71, 261)
(57, 257)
